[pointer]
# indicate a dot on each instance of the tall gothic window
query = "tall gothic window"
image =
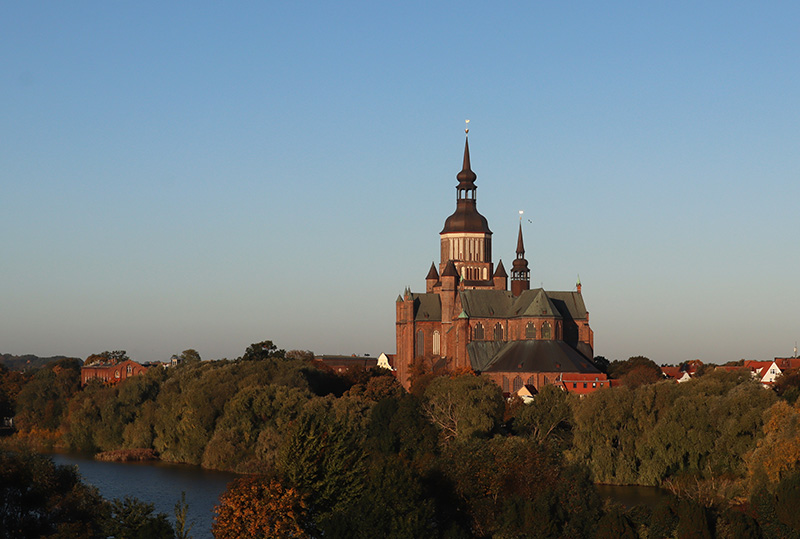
(517, 383)
(420, 348)
(546, 331)
(498, 331)
(530, 331)
(477, 332)
(436, 343)
(505, 384)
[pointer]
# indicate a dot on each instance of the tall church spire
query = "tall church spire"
(466, 238)
(520, 274)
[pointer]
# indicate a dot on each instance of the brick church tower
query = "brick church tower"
(467, 319)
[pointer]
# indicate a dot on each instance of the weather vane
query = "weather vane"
(467, 129)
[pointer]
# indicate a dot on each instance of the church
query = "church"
(468, 320)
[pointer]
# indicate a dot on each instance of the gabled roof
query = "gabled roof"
(486, 303)
(530, 303)
(427, 307)
(534, 302)
(569, 304)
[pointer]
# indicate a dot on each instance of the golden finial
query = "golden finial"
(467, 129)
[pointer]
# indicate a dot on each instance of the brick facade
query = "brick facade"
(468, 319)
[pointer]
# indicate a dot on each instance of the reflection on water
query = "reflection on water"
(631, 495)
(157, 483)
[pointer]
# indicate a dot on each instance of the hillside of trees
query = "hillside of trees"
(27, 362)
(342, 456)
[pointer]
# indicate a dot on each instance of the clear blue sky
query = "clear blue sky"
(207, 175)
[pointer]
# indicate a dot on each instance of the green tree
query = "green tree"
(464, 406)
(131, 519)
(614, 524)
(42, 402)
(547, 418)
(190, 356)
(249, 433)
(182, 525)
(38, 499)
(262, 350)
(324, 454)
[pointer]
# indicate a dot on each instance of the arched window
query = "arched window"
(517, 384)
(531, 381)
(420, 348)
(546, 332)
(505, 384)
(530, 331)
(477, 332)
(498, 331)
(116, 373)
(436, 344)
(130, 370)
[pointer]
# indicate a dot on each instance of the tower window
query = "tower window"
(436, 343)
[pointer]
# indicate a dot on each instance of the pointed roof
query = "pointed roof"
(500, 271)
(466, 175)
(432, 273)
(466, 217)
(450, 270)
(520, 265)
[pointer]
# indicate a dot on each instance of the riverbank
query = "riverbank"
(158, 483)
(127, 455)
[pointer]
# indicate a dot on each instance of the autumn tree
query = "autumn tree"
(778, 453)
(260, 507)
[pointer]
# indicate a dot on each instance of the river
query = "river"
(158, 483)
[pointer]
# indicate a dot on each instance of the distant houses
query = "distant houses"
(113, 373)
(342, 364)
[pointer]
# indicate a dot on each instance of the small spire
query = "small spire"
(432, 273)
(466, 174)
(578, 284)
(520, 244)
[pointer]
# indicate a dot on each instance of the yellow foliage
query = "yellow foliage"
(779, 451)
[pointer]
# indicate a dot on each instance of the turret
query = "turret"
(520, 274)
(431, 279)
(500, 277)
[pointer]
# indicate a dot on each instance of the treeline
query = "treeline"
(344, 456)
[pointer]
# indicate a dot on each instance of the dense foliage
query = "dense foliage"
(346, 455)
(41, 499)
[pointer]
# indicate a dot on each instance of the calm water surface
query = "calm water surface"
(157, 483)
